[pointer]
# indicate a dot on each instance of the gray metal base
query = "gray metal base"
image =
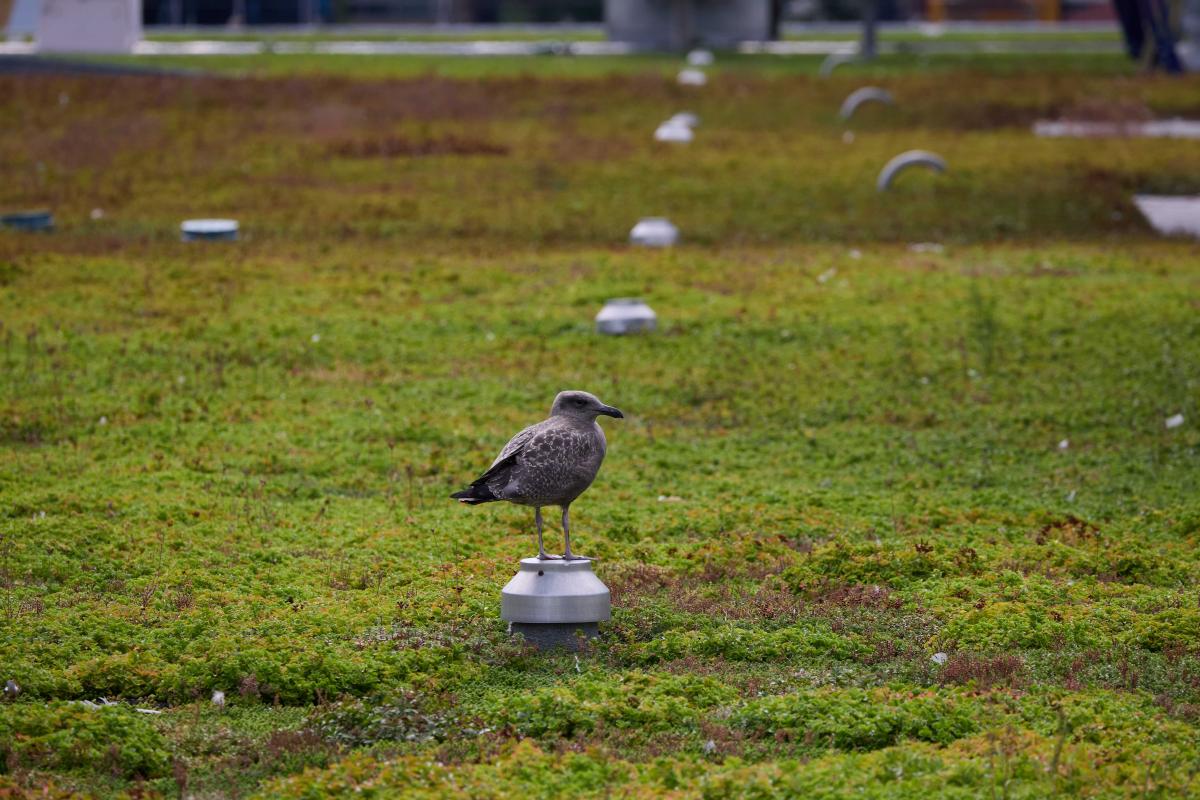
(555, 591)
(552, 602)
(549, 635)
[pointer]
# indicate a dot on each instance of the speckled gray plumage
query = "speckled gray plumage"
(548, 464)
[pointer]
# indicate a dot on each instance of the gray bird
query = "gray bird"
(548, 464)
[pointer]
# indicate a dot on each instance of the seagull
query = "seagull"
(548, 464)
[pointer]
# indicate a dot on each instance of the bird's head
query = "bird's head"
(582, 405)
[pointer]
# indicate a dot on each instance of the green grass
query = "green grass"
(915, 52)
(580, 67)
(225, 467)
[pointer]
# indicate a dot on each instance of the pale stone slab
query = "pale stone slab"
(1174, 128)
(1171, 215)
(89, 26)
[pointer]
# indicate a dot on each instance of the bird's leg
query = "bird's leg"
(566, 523)
(537, 517)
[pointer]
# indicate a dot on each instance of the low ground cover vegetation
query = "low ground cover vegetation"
(895, 510)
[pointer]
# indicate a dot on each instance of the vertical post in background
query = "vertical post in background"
(1049, 10)
(1189, 45)
(679, 36)
(870, 18)
(308, 12)
(1158, 14)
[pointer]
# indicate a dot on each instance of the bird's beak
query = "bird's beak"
(609, 411)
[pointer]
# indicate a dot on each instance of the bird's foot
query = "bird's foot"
(547, 557)
(573, 557)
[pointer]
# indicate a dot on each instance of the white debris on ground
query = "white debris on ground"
(100, 703)
(654, 232)
(626, 315)
(939, 658)
(673, 131)
(1174, 421)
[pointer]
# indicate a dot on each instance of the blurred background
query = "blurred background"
(282, 12)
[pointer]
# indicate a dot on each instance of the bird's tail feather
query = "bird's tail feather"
(475, 494)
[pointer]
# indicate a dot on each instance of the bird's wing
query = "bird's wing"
(498, 472)
(518, 442)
